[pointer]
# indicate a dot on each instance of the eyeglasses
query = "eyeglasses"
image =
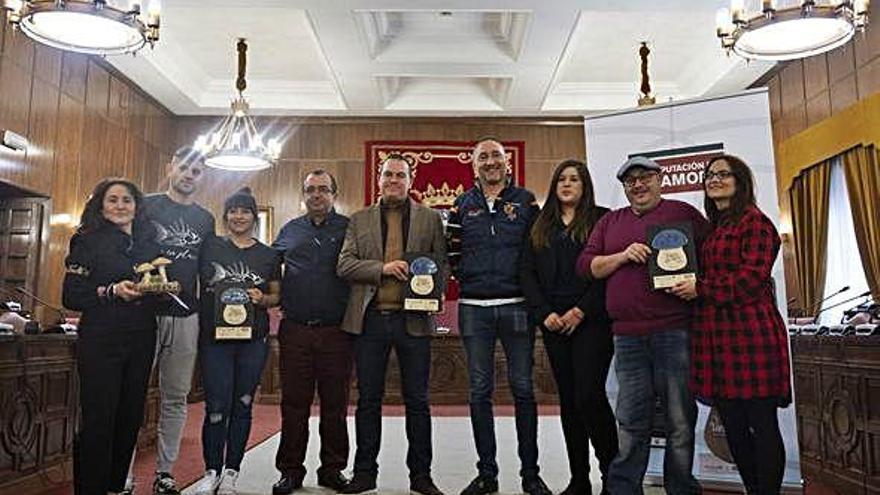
(720, 175)
(318, 189)
(631, 180)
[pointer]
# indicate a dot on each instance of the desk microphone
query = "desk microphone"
(817, 304)
(62, 317)
(863, 294)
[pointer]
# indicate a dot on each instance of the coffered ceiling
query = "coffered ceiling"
(425, 57)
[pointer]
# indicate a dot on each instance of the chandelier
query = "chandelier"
(237, 145)
(802, 29)
(94, 27)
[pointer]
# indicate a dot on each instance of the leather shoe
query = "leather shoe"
(286, 485)
(534, 485)
(360, 483)
(481, 485)
(424, 485)
(333, 479)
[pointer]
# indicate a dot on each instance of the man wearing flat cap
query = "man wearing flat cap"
(651, 331)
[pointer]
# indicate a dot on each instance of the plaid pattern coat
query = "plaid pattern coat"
(739, 343)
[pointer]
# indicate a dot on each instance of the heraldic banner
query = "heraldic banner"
(441, 171)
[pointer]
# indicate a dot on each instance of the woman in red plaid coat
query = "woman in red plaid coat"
(739, 358)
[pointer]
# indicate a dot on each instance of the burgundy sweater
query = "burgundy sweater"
(632, 305)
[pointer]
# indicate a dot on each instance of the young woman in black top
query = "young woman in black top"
(571, 314)
(231, 369)
(117, 332)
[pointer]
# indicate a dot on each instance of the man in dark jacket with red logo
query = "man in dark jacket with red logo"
(488, 226)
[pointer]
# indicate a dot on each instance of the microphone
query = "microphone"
(817, 305)
(62, 317)
(14, 302)
(863, 294)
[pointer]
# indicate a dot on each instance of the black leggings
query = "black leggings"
(114, 371)
(753, 436)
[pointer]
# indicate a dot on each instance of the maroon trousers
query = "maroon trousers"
(310, 356)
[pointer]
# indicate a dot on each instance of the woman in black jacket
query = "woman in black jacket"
(117, 332)
(571, 314)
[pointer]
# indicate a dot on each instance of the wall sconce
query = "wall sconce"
(14, 141)
(62, 220)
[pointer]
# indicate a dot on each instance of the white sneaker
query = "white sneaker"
(227, 483)
(129, 486)
(208, 484)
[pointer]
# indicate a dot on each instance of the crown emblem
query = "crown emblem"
(444, 196)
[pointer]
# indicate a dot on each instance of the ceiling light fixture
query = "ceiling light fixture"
(237, 145)
(87, 26)
(802, 29)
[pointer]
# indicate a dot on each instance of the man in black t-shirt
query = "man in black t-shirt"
(181, 226)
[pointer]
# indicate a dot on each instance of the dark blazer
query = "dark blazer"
(361, 260)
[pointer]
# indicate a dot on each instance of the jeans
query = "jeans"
(580, 364)
(752, 430)
(382, 331)
(230, 374)
(647, 366)
(313, 357)
(480, 328)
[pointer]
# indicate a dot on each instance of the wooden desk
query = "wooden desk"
(837, 398)
(38, 411)
(449, 380)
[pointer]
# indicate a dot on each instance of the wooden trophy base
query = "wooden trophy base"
(159, 287)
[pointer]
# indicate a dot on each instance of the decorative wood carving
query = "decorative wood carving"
(38, 410)
(837, 385)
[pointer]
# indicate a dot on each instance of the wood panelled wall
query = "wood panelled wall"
(83, 122)
(805, 92)
(337, 145)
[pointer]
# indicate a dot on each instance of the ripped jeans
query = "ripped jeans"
(230, 374)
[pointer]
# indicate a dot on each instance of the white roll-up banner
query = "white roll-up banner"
(682, 137)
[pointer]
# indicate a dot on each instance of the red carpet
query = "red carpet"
(190, 467)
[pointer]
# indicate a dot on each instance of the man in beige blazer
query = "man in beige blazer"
(372, 261)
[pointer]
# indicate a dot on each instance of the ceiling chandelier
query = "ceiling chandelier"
(798, 30)
(94, 27)
(237, 145)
